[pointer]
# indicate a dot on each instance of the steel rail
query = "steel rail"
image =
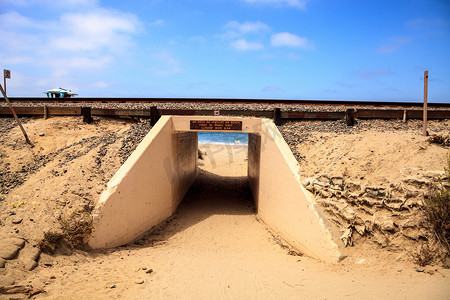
(154, 113)
(224, 101)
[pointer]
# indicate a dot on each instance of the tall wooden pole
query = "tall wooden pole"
(15, 116)
(425, 102)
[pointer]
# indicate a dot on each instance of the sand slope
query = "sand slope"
(215, 247)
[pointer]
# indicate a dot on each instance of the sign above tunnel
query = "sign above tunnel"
(215, 125)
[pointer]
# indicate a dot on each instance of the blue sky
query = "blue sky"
(277, 49)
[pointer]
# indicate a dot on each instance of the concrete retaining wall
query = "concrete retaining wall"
(147, 188)
(281, 200)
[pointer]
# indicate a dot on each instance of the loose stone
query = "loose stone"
(9, 251)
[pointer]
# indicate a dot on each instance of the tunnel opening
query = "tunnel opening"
(221, 186)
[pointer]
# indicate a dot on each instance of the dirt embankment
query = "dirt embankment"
(59, 178)
(371, 179)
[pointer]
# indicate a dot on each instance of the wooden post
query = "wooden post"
(425, 103)
(277, 116)
(404, 115)
(45, 112)
(350, 117)
(154, 115)
(15, 116)
(86, 113)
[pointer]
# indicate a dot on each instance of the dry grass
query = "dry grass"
(437, 214)
(440, 139)
(74, 231)
(50, 241)
(424, 255)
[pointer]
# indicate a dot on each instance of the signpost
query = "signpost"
(425, 103)
(6, 74)
(216, 125)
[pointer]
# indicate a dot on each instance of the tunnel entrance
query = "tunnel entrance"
(221, 186)
(150, 185)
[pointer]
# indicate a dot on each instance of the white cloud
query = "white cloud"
(93, 31)
(235, 30)
(247, 27)
(243, 45)
(72, 41)
(294, 3)
(86, 38)
(286, 39)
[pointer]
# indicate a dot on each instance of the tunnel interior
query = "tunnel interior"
(221, 186)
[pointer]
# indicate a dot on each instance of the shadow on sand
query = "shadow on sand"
(209, 195)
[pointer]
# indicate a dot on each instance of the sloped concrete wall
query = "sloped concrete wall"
(147, 188)
(284, 205)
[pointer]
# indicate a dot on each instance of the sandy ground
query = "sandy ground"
(213, 247)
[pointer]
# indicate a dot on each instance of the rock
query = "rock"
(370, 201)
(15, 241)
(310, 188)
(412, 234)
(348, 214)
(9, 251)
(2, 262)
(353, 187)
(326, 194)
(35, 254)
(323, 180)
(338, 181)
(380, 239)
(139, 281)
(308, 182)
(17, 220)
(30, 265)
(409, 223)
(150, 271)
(361, 229)
(347, 237)
(384, 223)
(374, 192)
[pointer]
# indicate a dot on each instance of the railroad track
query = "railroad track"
(267, 108)
(81, 100)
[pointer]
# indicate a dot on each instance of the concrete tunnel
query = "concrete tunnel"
(153, 181)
